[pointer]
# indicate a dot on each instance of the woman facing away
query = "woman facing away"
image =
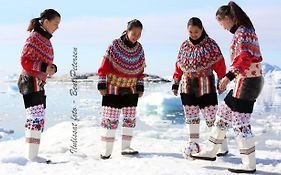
(121, 84)
(238, 104)
(198, 57)
(37, 63)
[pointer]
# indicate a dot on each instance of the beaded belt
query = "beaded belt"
(121, 81)
(199, 73)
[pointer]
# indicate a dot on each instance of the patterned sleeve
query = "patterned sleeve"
(29, 61)
(219, 66)
(177, 74)
(103, 70)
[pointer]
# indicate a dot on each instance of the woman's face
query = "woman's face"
(227, 23)
(194, 32)
(52, 25)
(134, 34)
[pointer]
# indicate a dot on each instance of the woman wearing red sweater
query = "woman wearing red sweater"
(121, 84)
(246, 70)
(198, 57)
(37, 63)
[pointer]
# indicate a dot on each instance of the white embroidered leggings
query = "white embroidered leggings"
(239, 121)
(111, 117)
(192, 114)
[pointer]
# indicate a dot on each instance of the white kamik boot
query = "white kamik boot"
(223, 150)
(32, 143)
(108, 139)
(215, 140)
(248, 156)
(127, 135)
(32, 146)
(192, 146)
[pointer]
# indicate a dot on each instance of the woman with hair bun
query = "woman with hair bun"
(37, 63)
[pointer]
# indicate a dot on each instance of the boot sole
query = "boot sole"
(130, 153)
(204, 158)
(104, 157)
(241, 171)
(222, 154)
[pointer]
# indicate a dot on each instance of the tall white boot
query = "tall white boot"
(127, 135)
(107, 139)
(32, 143)
(192, 145)
(32, 146)
(248, 156)
(223, 150)
(215, 140)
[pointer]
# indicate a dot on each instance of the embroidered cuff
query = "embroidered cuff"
(43, 67)
(230, 75)
(140, 88)
(175, 87)
(102, 83)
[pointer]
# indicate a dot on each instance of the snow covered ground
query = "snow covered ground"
(160, 134)
(159, 154)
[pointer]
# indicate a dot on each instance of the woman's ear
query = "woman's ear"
(45, 22)
(227, 18)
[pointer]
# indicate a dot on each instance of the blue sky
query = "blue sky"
(91, 25)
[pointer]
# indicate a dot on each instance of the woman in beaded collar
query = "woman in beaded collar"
(121, 84)
(198, 57)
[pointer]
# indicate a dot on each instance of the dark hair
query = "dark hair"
(48, 14)
(133, 24)
(194, 21)
(233, 11)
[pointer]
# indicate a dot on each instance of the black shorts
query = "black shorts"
(202, 101)
(250, 90)
(120, 101)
